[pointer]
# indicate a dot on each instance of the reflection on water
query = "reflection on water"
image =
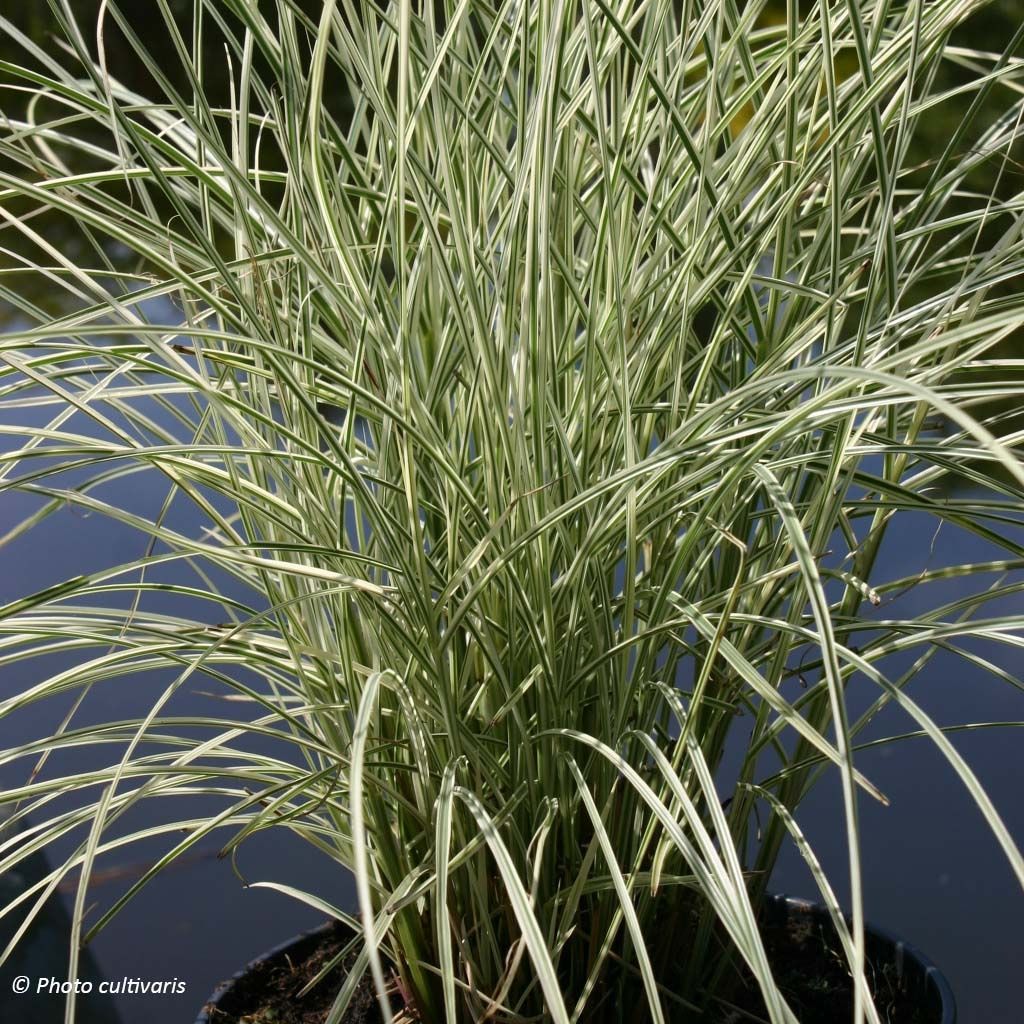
(42, 955)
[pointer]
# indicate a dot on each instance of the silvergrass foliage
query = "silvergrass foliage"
(549, 374)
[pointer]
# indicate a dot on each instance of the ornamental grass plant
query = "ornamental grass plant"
(547, 375)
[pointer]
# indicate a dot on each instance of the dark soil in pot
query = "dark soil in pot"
(811, 971)
(799, 940)
(265, 992)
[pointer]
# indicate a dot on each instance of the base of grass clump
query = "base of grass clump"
(800, 943)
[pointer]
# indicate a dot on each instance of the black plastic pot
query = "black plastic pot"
(296, 949)
(915, 973)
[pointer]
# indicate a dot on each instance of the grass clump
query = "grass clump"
(546, 376)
